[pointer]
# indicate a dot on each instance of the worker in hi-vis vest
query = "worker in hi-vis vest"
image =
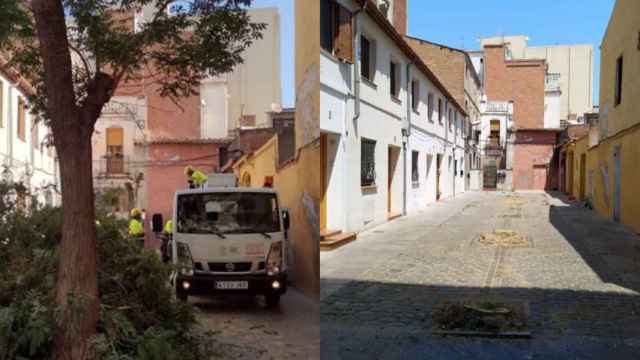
(167, 235)
(195, 178)
(136, 226)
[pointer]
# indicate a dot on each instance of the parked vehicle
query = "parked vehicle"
(229, 240)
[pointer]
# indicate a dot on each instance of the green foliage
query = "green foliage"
(202, 37)
(139, 319)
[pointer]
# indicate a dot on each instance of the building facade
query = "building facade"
(143, 141)
(455, 69)
(520, 87)
(602, 166)
(570, 69)
(392, 135)
(26, 155)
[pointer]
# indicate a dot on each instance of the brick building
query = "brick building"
(528, 147)
(454, 69)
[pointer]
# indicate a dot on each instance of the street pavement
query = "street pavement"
(245, 329)
(579, 273)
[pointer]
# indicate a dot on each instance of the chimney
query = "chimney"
(400, 16)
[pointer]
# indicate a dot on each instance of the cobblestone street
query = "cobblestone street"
(579, 273)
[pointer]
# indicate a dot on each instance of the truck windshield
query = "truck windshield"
(228, 213)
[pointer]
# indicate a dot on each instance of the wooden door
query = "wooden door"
(438, 167)
(583, 176)
(617, 184)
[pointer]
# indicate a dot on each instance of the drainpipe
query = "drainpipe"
(356, 64)
(405, 139)
(356, 108)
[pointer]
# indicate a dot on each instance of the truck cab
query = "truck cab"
(229, 240)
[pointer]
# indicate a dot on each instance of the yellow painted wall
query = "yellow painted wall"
(298, 187)
(307, 126)
(619, 124)
(580, 147)
(600, 160)
(621, 39)
(259, 164)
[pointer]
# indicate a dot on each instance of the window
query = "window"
(21, 120)
(494, 135)
(115, 140)
(440, 112)
(394, 74)
(365, 54)
(618, 81)
(415, 95)
(415, 174)
(228, 213)
(336, 30)
(450, 120)
(430, 107)
(368, 163)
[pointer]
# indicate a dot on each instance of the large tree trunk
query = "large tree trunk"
(72, 126)
(77, 289)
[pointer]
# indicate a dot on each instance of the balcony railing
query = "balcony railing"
(498, 107)
(112, 166)
(552, 81)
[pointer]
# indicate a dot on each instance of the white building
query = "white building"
(24, 152)
(496, 143)
(384, 152)
(118, 157)
(243, 97)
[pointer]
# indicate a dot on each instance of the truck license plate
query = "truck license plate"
(232, 285)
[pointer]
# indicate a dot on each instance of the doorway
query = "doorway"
(393, 154)
(490, 174)
(583, 176)
(617, 184)
(438, 171)
(570, 167)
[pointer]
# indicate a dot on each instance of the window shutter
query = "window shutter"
(115, 136)
(344, 36)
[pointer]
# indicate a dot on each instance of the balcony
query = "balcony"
(552, 82)
(498, 107)
(117, 166)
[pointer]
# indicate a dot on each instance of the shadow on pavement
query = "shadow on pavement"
(364, 320)
(610, 249)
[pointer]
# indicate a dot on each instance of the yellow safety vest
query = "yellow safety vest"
(136, 228)
(168, 227)
(198, 178)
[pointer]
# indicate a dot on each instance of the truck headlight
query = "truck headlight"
(274, 259)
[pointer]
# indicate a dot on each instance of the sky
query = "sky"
(287, 46)
(460, 23)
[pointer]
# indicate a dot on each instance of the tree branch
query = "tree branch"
(84, 60)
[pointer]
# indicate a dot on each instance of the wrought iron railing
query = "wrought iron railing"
(552, 81)
(112, 166)
(498, 106)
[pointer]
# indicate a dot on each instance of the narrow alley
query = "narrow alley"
(578, 272)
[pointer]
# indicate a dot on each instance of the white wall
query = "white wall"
(27, 160)
(214, 99)
(381, 119)
(552, 100)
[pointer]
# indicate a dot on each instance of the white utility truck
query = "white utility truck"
(229, 240)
